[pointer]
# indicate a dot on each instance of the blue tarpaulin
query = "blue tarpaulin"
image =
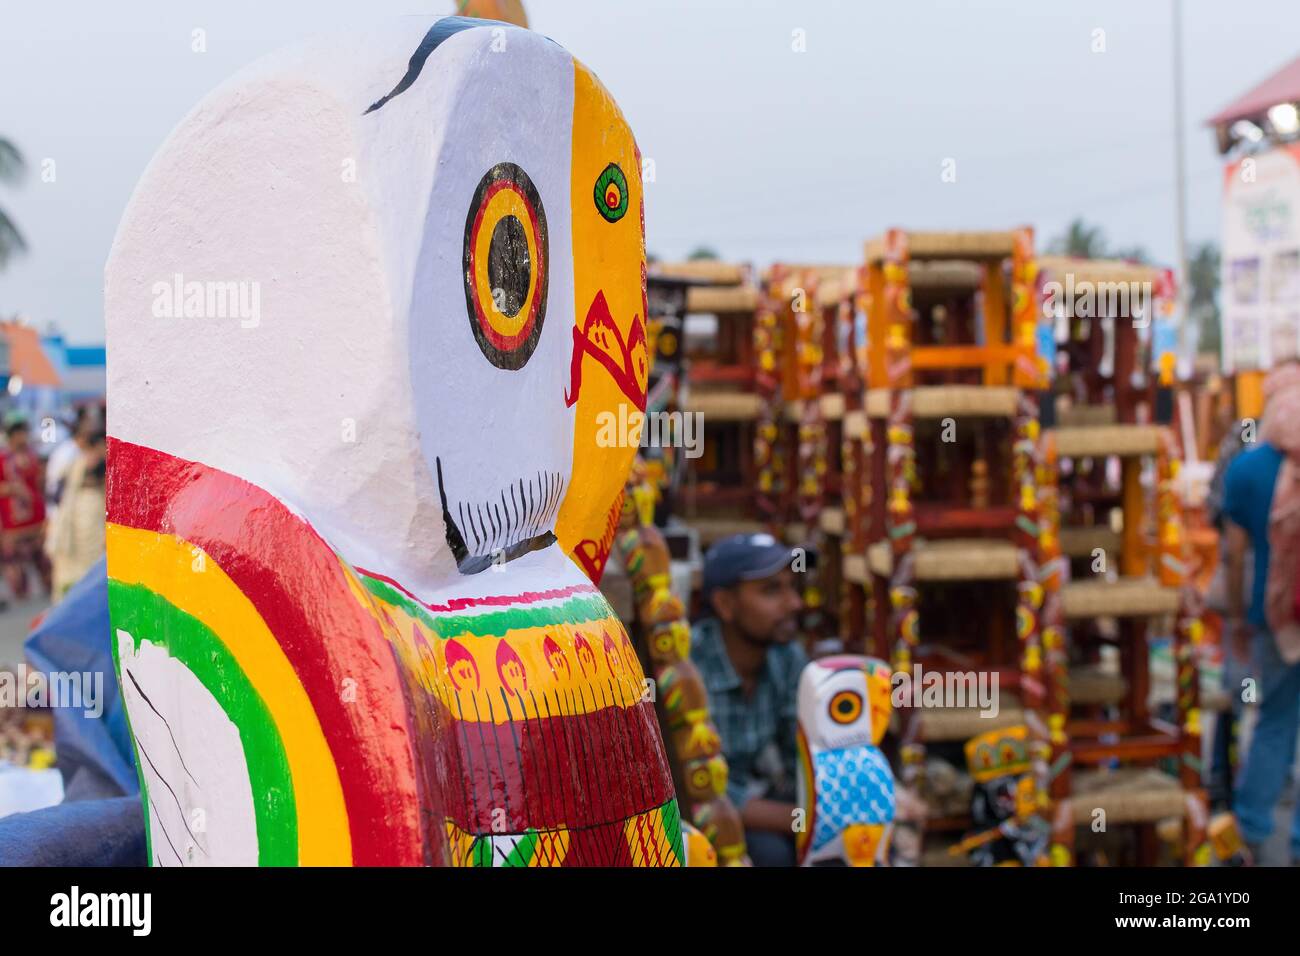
(100, 822)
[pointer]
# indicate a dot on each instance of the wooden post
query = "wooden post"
(1031, 370)
(1052, 573)
(1174, 554)
(876, 325)
(876, 596)
(1132, 554)
(856, 627)
(995, 321)
(1135, 659)
(1126, 349)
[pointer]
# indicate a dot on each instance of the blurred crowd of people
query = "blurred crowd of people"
(51, 502)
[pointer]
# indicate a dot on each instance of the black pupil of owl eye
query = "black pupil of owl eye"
(509, 269)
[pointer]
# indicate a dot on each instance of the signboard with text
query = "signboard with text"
(1261, 259)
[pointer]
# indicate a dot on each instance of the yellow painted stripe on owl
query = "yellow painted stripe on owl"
(459, 845)
(552, 847)
(543, 672)
(648, 840)
(165, 565)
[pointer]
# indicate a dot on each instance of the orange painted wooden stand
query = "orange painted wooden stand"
(717, 494)
(813, 310)
(1113, 532)
(936, 331)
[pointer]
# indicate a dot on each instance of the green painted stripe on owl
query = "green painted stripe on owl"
(390, 595)
(480, 852)
(147, 616)
(578, 610)
(524, 849)
(575, 610)
(139, 773)
(672, 817)
(139, 764)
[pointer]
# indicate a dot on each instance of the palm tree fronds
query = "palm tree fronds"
(11, 240)
(12, 165)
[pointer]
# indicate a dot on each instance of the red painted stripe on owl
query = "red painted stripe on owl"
(563, 770)
(297, 586)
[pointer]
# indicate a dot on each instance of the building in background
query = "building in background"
(81, 369)
(32, 385)
(45, 378)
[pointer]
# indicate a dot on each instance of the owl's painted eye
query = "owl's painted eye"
(506, 261)
(846, 707)
(611, 193)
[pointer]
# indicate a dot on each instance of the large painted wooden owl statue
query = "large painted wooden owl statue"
(368, 310)
(846, 785)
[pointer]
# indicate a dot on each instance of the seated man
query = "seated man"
(747, 652)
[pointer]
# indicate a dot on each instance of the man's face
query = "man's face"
(764, 611)
(18, 439)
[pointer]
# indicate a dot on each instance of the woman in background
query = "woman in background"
(76, 536)
(22, 510)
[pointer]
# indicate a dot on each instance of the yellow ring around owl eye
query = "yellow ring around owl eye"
(506, 263)
(845, 707)
(509, 288)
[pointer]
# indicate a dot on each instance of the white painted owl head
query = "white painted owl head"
(844, 701)
(360, 275)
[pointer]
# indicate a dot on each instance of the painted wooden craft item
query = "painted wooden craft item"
(365, 311)
(696, 746)
(1006, 815)
(845, 782)
(696, 849)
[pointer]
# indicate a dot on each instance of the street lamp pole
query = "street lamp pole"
(1180, 176)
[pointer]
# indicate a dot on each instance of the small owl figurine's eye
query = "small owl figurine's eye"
(846, 707)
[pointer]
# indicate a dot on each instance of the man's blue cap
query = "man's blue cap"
(743, 557)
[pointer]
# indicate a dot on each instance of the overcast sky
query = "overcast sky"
(761, 152)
